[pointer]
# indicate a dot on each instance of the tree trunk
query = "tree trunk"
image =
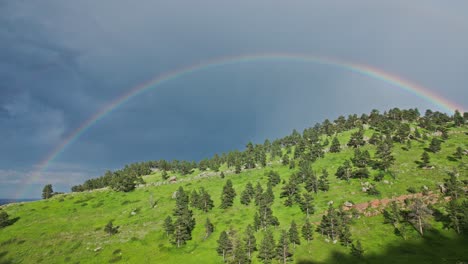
(420, 226)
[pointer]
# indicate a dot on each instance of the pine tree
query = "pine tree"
(258, 193)
(307, 205)
(323, 183)
(294, 234)
(168, 226)
(205, 203)
(164, 175)
(182, 201)
(311, 183)
(209, 228)
(285, 159)
(458, 118)
(47, 192)
(384, 156)
(224, 245)
(357, 250)
(290, 191)
(282, 249)
(434, 146)
(257, 222)
(345, 235)
(344, 172)
(357, 139)
(239, 254)
(458, 153)
(308, 231)
(194, 199)
(111, 229)
(266, 251)
(228, 195)
(418, 215)
(250, 241)
(273, 178)
(335, 145)
(330, 224)
(425, 160)
(248, 194)
(454, 187)
(456, 215)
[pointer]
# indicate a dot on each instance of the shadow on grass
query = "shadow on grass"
(3, 259)
(433, 248)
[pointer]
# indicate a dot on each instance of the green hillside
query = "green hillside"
(69, 228)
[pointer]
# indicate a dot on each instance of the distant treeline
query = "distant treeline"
(392, 124)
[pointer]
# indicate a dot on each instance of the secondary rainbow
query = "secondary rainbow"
(362, 69)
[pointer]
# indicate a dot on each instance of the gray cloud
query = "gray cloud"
(60, 62)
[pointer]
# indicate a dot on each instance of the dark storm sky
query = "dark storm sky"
(61, 61)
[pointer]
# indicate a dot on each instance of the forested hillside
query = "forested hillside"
(376, 188)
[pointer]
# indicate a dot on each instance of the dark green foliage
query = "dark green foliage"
(228, 195)
(194, 199)
(335, 145)
(47, 192)
(209, 228)
(222, 175)
(185, 223)
(224, 245)
(250, 241)
(361, 158)
(164, 175)
(111, 229)
(282, 249)
(434, 146)
(418, 215)
(383, 155)
(250, 156)
(205, 203)
(372, 190)
(168, 226)
(454, 187)
(182, 201)
(292, 164)
(247, 194)
(425, 160)
(323, 183)
(264, 217)
(290, 191)
(257, 223)
(357, 139)
(307, 205)
(266, 251)
(345, 235)
(285, 159)
(4, 219)
(273, 177)
(307, 231)
(357, 250)
(344, 172)
(239, 254)
(375, 139)
(458, 119)
(458, 153)
(258, 193)
(294, 234)
(411, 190)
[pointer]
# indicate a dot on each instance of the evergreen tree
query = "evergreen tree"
(266, 251)
(290, 191)
(282, 249)
(384, 156)
(257, 222)
(456, 215)
(357, 250)
(294, 234)
(222, 175)
(224, 245)
(307, 205)
(335, 145)
(273, 177)
(434, 146)
(458, 153)
(285, 159)
(258, 193)
(248, 194)
(454, 187)
(311, 183)
(194, 199)
(182, 201)
(228, 195)
(344, 172)
(323, 183)
(308, 231)
(4, 219)
(357, 139)
(330, 224)
(458, 118)
(209, 228)
(205, 201)
(47, 192)
(164, 175)
(425, 160)
(250, 241)
(239, 254)
(168, 226)
(292, 164)
(418, 215)
(345, 235)
(111, 229)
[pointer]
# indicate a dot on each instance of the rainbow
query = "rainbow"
(361, 69)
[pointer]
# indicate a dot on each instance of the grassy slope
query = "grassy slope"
(68, 228)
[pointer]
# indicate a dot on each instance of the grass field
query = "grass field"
(69, 228)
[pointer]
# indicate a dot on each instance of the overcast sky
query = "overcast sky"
(61, 61)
